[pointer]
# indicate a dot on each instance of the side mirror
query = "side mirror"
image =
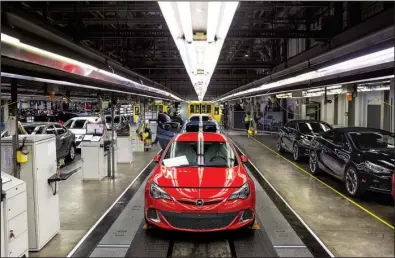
(244, 159)
(156, 158)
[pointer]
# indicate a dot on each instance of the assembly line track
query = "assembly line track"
(122, 232)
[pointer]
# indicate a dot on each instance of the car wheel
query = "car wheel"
(296, 152)
(72, 152)
(353, 182)
(279, 145)
(313, 163)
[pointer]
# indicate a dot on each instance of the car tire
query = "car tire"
(296, 152)
(352, 182)
(313, 163)
(71, 156)
(279, 147)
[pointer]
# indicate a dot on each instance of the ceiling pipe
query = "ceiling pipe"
(16, 20)
(384, 36)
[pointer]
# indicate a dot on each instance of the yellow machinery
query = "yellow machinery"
(159, 106)
(197, 107)
(136, 112)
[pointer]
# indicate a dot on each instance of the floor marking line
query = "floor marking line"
(289, 206)
(108, 210)
(289, 246)
(328, 186)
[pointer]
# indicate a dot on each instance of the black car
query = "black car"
(363, 158)
(296, 135)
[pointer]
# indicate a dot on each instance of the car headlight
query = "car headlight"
(158, 193)
(242, 193)
(376, 168)
(78, 137)
(305, 141)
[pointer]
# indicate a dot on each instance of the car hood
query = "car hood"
(199, 182)
(384, 158)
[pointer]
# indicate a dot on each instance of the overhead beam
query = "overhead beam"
(185, 77)
(154, 7)
(160, 20)
(138, 65)
(92, 34)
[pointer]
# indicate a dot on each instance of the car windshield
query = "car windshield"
(313, 127)
(36, 129)
(373, 140)
(206, 128)
(200, 154)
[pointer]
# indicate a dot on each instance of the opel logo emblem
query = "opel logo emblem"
(199, 202)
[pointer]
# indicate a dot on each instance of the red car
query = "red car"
(200, 185)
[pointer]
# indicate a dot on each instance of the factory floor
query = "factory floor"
(348, 227)
(82, 203)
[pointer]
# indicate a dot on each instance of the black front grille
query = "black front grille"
(199, 221)
(204, 203)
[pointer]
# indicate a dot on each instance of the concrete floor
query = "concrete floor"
(346, 229)
(83, 203)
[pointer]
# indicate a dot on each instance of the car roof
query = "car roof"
(196, 136)
(357, 129)
(307, 121)
(92, 118)
(40, 123)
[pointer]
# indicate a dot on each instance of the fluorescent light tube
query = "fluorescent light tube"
(170, 18)
(184, 10)
(213, 13)
(382, 56)
(227, 17)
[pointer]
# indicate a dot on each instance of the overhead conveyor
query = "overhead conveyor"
(123, 233)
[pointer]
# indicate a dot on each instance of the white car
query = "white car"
(77, 125)
(118, 120)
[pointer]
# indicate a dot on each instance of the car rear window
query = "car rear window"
(197, 118)
(206, 128)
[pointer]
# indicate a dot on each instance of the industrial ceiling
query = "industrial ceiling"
(135, 33)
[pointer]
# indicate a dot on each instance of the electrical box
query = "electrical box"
(11, 125)
(14, 225)
(124, 149)
(42, 204)
(93, 157)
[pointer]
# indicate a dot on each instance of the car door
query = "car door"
(62, 140)
(326, 151)
(290, 131)
(50, 129)
(341, 154)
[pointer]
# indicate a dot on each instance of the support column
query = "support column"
(14, 112)
(113, 102)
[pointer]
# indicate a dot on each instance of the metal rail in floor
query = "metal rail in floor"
(121, 232)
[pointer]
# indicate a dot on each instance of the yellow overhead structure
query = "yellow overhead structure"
(205, 107)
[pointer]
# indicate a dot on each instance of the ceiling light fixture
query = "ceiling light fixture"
(379, 57)
(199, 53)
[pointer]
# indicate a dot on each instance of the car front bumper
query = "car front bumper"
(172, 215)
(376, 182)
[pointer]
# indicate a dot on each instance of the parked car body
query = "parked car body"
(296, 135)
(77, 125)
(393, 186)
(194, 194)
(65, 145)
(363, 158)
